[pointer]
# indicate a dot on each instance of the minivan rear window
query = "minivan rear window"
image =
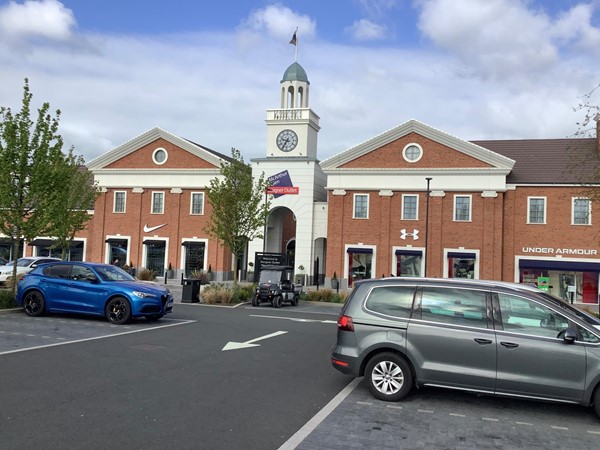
(393, 301)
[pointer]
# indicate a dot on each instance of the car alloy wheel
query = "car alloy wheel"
(389, 377)
(34, 303)
(118, 311)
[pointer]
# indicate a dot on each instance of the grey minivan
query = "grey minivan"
(486, 337)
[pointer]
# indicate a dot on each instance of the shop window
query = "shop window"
(361, 206)
(461, 265)
(462, 208)
(409, 207)
(197, 203)
(158, 202)
(536, 210)
(454, 306)
(359, 264)
(155, 256)
(573, 286)
(582, 211)
(408, 263)
(119, 202)
(117, 251)
(194, 256)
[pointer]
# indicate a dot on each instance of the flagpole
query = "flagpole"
(296, 47)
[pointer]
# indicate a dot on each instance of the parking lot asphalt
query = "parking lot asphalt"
(428, 418)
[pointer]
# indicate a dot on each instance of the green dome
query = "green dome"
(295, 73)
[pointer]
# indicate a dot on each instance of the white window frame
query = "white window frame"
(162, 211)
(354, 216)
(192, 204)
(416, 206)
(406, 147)
(124, 202)
(456, 197)
(157, 150)
(589, 214)
(536, 197)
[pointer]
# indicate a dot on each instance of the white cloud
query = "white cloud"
(498, 38)
(47, 19)
(365, 30)
(280, 21)
(213, 88)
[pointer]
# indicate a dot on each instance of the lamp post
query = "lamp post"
(426, 227)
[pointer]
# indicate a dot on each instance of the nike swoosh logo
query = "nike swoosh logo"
(148, 229)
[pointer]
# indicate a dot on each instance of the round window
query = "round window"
(412, 153)
(160, 156)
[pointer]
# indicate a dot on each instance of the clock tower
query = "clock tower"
(297, 223)
(292, 129)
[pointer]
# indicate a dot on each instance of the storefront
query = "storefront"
(574, 281)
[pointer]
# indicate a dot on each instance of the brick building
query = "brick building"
(411, 201)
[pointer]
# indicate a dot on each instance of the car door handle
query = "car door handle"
(483, 341)
(509, 344)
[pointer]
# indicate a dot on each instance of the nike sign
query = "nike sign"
(148, 229)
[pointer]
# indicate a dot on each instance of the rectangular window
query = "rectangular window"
(454, 306)
(119, 203)
(409, 207)
(361, 206)
(582, 211)
(197, 203)
(536, 210)
(462, 208)
(158, 202)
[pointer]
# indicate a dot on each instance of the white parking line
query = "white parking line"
(490, 419)
(364, 403)
(559, 428)
(593, 432)
(394, 407)
(180, 322)
(524, 423)
(428, 411)
(457, 415)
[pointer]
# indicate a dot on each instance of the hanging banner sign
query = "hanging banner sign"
(283, 190)
(281, 184)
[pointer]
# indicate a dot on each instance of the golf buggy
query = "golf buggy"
(275, 286)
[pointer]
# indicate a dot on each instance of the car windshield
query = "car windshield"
(270, 276)
(23, 262)
(113, 273)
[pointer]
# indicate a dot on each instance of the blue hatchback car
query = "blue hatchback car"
(91, 288)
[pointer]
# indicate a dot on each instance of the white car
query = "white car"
(24, 265)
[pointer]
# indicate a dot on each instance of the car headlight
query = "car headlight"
(143, 294)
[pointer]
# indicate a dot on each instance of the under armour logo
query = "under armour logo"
(414, 234)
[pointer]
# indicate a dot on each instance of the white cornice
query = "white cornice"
(419, 171)
(414, 126)
(146, 138)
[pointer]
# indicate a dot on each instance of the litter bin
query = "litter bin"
(191, 290)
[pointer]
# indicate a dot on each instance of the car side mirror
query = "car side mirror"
(570, 335)
(33, 266)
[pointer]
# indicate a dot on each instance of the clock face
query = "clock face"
(287, 140)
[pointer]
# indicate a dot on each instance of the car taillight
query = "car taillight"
(345, 323)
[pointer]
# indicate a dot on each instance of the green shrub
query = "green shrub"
(199, 274)
(324, 295)
(7, 299)
(221, 294)
(146, 275)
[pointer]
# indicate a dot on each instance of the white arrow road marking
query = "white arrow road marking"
(237, 345)
(294, 319)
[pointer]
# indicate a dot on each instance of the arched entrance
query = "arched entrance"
(281, 233)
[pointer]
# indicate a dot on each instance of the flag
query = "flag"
(294, 39)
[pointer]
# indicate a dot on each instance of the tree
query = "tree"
(74, 194)
(239, 212)
(34, 172)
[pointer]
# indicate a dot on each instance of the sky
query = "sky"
(208, 71)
